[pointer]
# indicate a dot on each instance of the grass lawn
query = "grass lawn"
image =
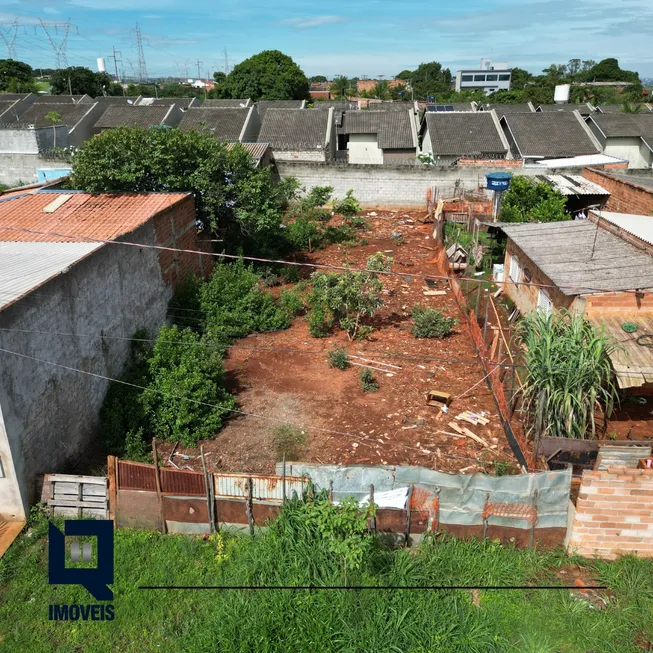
(294, 553)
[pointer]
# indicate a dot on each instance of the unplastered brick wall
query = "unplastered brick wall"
(618, 303)
(495, 163)
(625, 196)
(614, 513)
(176, 228)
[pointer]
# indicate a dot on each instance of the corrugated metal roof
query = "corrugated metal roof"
(26, 266)
(572, 184)
(579, 257)
(104, 217)
(632, 363)
(257, 150)
(640, 226)
(580, 161)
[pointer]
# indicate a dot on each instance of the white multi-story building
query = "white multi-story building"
(491, 76)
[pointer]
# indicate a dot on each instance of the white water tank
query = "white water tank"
(561, 93)
(100, 65)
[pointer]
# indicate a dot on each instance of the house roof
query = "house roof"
(642, 181)
(116, 99)
(618, 108)
(519, 107)
(79, 216)
(119, 116)
(263, 105)
(391, 106)
(5, 97)
(550, 135)
(70, 114)
(256, 150)
(63, 99)
(456, 106)
(465, 134)
(571, 184)
(294, 129)
(26, 266)
(394, 129)
(337, 104)
(640, 226)
(225, 124)
(625, 125)
(579, 257)
(226, 103)
(584, 109)
(5, 105)
(580, 161)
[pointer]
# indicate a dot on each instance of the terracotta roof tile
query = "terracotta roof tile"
(82, 216)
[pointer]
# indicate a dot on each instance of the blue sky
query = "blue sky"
(365, 37)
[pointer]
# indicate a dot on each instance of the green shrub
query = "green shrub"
(337, 357)
(320, 322)
(289, 441)
(359, 223)
(291, 302)
(368, 381)
(342, 234)
(186, 399)
(348, 206)
(185, 308)
(431, 323)
(304, 234)
(379, 262)
(136, 448)
(290, 273)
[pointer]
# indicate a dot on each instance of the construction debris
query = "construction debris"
(473, 418)
(438, 398)
(466, 432)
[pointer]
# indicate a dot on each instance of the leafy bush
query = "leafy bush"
(320, 321)
(289, 441)
(235, 306)
(368, 381)
(379, 262)
(291, 302)
(337, 357)
(185, 307)
(345, 298)
(304, 234)
(290, 273)
(525, 201)
(348, 206)
(185, 399)
(431, 323)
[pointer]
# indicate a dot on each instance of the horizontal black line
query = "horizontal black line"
(371, 587)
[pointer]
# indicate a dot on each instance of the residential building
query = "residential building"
(299, 135)
(182, 103)
(625, 135)
(448, 106)
(338, 105)
(489, 77)
(367, 85)
(449, 136)
(619, 108)
(378, 136)
(138, 116)
(229, 124)
(503, 109)
(260, 153)
(547, 135)
(320, 91)
(63, 99)
(58, 277)
(629, 193)
(596, 267)
(211, 104)
(584, 108)
(390, 105)
(263, 105)
(12, 105)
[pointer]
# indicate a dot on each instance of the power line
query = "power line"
(58, 48)
(317, 266)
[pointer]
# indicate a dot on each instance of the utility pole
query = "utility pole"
(70, 86)
(199, 73)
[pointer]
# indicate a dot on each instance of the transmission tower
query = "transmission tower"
(8, 35)
(59, 48)
(142, 67)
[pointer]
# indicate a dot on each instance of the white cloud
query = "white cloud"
(312, 21)
(50, 10)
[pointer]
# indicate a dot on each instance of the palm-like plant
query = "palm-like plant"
(55, 119)
(627, 107)
(568, 376)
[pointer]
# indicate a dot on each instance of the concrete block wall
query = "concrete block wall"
(625, 196)
(614, 513)
(17, 169)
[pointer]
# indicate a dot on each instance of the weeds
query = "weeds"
(338, 358)
(289, 441)
(430, 323)
(368, 381)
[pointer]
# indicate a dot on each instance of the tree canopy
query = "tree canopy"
(269, 75)
(16, 77)
(82, 81)
(430, 79)
(526, 201)
(316, 79)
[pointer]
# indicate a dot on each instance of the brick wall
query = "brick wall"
(616, 303)
(494, 163)
(614, 513)
(625, 196)
(176, 227)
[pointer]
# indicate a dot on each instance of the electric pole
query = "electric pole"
(142, 67)
(117, 59)
(59, 48)
(199, 74)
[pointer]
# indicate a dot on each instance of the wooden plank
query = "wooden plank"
(71, 478)
(70, 497)
(75, 503)
(112, 469)
(69, 489)
(476, 438)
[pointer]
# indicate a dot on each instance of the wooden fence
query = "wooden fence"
(76, 496)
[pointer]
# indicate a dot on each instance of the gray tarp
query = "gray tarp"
(462, 496)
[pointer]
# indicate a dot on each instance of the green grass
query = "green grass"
(292, 552)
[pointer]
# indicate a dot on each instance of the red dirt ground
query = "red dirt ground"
(392, 426)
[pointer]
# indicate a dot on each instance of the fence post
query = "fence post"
(207, 485)
(487, 307)
(157, 477)
(408, 502)
(371, 504)
(112, 463)
(283, 481)
(248, 505)
(478, 299)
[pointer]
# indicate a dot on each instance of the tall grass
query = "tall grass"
(569, 376)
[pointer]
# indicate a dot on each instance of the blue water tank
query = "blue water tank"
(498, 180)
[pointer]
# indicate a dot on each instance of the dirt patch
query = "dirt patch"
(284, 377)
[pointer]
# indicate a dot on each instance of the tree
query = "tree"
(405, 75)
(608, 70)
(78, 80)
(381, 90)
(318, 79)
(340, 85)
(519, 79)
(55, 119)
(230, 194)
(269, 75)
(16, 77)
(430, 79)
(525, 201)
(219, 77)
(573, 67)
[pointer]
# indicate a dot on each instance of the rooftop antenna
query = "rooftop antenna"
(8, 35)
(59, 48)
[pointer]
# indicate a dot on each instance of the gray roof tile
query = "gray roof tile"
(464, 134)
(70, 114)
(263, 105)
(225, 103)
(294, 129)
(225, 124)
(393, 128)
(519, 107)
(549, 135)
(119, 116)
(584, 109)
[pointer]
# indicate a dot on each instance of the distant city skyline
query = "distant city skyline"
(368, 37)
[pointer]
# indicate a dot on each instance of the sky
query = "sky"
(362, 38)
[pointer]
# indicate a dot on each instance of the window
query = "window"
(515, 271)
(468, 78)
(544, 302)
(492, 78)
(504, 78)
(479, 78)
